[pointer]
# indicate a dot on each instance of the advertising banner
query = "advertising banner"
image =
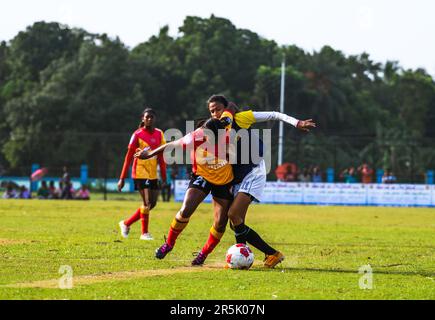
(338, 193)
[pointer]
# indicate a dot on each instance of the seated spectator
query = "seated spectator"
(25, 193)
(59, 190)
(9, 192)
(388, 177)
(43, 191)
(349, 175)
(54, 193)
(304, 176)
(291, 172)
(316, 175)
(83, 193)
(366, 173)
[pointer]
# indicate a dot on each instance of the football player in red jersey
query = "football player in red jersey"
(211, 173)
(144, 172)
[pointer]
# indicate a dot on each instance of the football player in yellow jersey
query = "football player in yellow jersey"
(144, 172)
(210, 174)
(249, 176)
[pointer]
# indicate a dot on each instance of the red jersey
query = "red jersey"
(206, 160)
(145, 169)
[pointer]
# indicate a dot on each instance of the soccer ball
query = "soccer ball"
(239, 256)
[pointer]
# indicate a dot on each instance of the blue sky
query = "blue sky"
(401, 30)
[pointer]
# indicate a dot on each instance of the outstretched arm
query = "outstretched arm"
(304, 125)
(146, 153)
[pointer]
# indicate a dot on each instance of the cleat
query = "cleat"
(163, 251)
(199, 260)
(270, 261)
(146, 236)
(124, 229)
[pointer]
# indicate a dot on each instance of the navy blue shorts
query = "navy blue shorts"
(140, 184)
(222, 192)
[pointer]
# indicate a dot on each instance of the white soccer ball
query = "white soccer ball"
(239, 256)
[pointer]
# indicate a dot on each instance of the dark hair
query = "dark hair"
(233, 107)
(147, 110)
(218, 98)
(200, 122)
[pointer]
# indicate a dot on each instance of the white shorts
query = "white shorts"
(254, 182)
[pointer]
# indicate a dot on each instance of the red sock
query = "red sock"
(172, 236)
(144, 218)
(211, 243)
(176, 228)
(133, 218)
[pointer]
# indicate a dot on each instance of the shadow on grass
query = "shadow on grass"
(375, 271)
(368, 244)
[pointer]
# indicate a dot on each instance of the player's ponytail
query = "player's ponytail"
(233, 107)
(200, 122)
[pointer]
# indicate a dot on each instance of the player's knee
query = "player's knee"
(232, 215)
(185, 212)
(235, 218)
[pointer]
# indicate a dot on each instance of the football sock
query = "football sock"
(144, 218)
(213, 239)
(177, 226)
(240, 232)
(133, 218)
(245, 234)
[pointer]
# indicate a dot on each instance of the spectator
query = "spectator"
(287, 172)
(25, 193)
(72, 190)
(183, 173)
(166, 190)
(59, 190)
(43, 192)
(366, 173)
(388, 177)
(316, 175)
(304, 176)
(83, 193)
(10, 192)
(67, 186)
(349, 175)
(174, 176)
(54, 193)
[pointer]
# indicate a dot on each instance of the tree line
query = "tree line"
(69, 97)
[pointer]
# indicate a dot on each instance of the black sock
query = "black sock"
(240, 232)
(245, 234)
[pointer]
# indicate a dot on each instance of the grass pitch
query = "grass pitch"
(324, 249)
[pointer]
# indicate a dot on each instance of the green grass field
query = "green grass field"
(324, 248)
